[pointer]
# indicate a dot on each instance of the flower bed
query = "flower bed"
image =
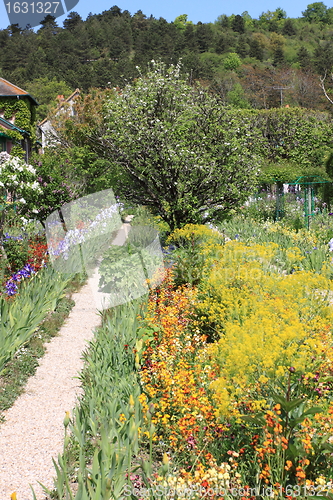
(253, 406)
(37, 257)
(220, 388)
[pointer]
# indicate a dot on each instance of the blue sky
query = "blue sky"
(197, 10)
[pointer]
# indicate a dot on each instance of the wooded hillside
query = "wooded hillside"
(259, 63)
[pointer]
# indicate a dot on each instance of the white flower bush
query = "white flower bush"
(18, 179)
(18, 186)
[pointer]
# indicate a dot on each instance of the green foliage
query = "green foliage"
(105, 49)
(238, 24)
(107, 421)
(67, 173)
(19, 185)
(25, 362)
(232, 61)
(181, 22)
(125, 269)
(22, 109)
(188, 258)
(17, 151)
(315, 12)
(283, 172)
(17, 253)
(24, 115)
(328, 189)
(296, 135)
(236, 97)
(53, 175)
(20, 318)
(45, 91)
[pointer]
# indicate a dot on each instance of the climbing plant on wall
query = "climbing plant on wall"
(25, 117)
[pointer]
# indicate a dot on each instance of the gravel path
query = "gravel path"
(33, 431)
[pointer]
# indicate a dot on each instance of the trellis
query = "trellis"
(308, 183)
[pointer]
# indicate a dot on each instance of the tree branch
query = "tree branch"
(322, 80)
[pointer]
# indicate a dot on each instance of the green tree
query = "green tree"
(315, 12)
(278, 58)
(280, 14)
(236, 97)
(289, 28)
(248, 21)
(232, 61)
(238, 24)
(204, 36)
(176, 149)
(52, 174)
(304, 57)
(222, 43)
(242, 48)
(256, 49)
(181, 22)
(223, 21)
(72, 21)
(323, 57)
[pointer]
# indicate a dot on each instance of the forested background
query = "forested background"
(245, 61)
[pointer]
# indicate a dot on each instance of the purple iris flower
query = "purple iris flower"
(11, 285)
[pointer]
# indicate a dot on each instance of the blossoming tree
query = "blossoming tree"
(18, 184)
(174, 147)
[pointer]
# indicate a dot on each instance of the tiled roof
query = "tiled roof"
(8, 89)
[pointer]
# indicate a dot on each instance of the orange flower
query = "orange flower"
(300, 473)
(288, 465)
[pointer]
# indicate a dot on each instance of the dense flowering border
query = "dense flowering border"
(253, 406)
(37, 259)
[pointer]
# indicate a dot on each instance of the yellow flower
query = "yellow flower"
(67, 419)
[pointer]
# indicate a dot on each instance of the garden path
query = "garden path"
(33, 431)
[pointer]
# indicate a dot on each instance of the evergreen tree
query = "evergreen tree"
(289, 28)
(242, 47)
(238, 24)
(256, 49)
(222, 43)
(304, 58)
(278, 58)
(72, 21)
(191, 43)
(223, 21)
(323, 58)
(204, 36)
(49, 24)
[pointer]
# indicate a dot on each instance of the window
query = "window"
(2, 144)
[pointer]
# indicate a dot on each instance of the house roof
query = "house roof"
(7, 89)
(61, 104)
(8, 125)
